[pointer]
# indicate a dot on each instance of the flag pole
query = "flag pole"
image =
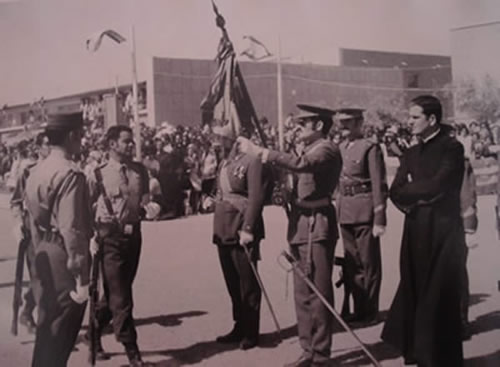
(281, 137)
(135, 107)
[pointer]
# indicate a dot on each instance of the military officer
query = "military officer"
(57, 200)
(241, 189)
(361, 207)
(312, 227)
(21, 229)
(126, 188)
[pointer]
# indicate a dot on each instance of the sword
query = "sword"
(311, 285)
(261, 285)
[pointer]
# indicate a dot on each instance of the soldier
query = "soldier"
(57, 200)
(126, 187)
(21, 229)
(241, 189)
(424, 321)
(312, 227)
(361, 207)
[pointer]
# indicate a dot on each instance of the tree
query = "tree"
(479, 98)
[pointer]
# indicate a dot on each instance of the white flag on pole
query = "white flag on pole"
(255, 50)
(94, 42)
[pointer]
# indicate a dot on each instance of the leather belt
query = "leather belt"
(313, 204)
(355, 189)
(121, 228)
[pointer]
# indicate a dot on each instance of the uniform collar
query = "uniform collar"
(430, 137)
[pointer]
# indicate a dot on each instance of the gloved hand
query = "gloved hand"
(93, 246)
(81, 293)
(245, 238)
(208, 203)
(246, 146)
(17, 232)
(471, 240)
(378, 231)
(152, 210)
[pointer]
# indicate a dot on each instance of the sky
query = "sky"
(43, 41)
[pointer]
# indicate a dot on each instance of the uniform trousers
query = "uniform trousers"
(59, 317)
(243, 287)
(29, 297)
(314, 320)
(363, 268)
(120, 260)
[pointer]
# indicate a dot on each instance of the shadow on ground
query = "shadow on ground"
(477, 298)
(489, 360)
(198, 352)
(8, 258)
(485, 323)
(380, 350)
(11, 284)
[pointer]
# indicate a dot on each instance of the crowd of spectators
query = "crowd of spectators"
(182, 161)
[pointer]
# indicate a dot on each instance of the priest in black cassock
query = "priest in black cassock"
(424, 319)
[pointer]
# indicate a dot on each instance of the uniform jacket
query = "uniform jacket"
(126, 200)
(241, 207)
(57, 200)
(424, 320)
(468, 199)
(317, 174)
(363, 164)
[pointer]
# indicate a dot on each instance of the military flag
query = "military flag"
(228, 100)
(94, 42)
(255, 50)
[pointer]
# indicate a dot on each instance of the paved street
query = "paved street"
(181, 303)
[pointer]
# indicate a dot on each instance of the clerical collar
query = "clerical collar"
(426, 139)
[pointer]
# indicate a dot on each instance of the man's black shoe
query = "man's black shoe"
(28, 321)
(233, 337)
(410, 360)
(248, 343)
(303, 361)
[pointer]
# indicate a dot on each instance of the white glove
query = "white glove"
(378, 231)
(17, 232)
(94, 246)
(245, 238)
(246, 146)
(152, 210)
(471, 240)
(208, 203)
(81, 293)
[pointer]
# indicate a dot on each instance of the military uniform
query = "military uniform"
(361, 203)
(241, 189)
(126, 185)
(19, 211)
(312, 235)
(57, 200)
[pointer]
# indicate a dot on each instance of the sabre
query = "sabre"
(261, 285)
(311, 285)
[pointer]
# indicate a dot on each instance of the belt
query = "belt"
(114, 227)
(355, 189)
(49, 235)
(313, 204)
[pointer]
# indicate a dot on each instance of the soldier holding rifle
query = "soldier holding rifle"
(126, 185)
(361, 207)
(312, 227)
(26, 250)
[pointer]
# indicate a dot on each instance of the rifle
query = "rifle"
(94, 298)
(94, 332)
(18, 283)
(497, 216)
(340, 261)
